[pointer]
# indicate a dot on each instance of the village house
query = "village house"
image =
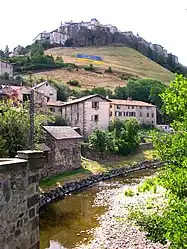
(124, 109)
(87, 113)
(6, 67)
(17, 93)
(47, 89)
(62, 149)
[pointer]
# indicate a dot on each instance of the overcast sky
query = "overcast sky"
(159, 21)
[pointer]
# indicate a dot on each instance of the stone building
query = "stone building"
(6, 67)
(87, 113)
(46, 89)
(63, 145)
(142, 111)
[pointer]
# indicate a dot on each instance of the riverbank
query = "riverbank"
(115, 230)
(91, 167)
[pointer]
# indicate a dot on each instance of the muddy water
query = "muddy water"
(70, 222)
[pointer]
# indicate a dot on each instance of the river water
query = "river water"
(70, 222)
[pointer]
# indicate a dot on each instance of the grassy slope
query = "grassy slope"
(93, 167)
(121, 59)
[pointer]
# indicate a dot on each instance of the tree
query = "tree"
(120, 92)
(63, 91)
(101, 91)
(171, 149)
(14, 128)
(37, 49)
(121, 138)
(155, 94)
(6, 52)
(2, 54)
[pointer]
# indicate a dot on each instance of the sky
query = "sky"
(162, 22)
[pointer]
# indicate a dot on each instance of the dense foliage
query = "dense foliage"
(14, 128)
(36, 60)
(172, 148)
(121, 138)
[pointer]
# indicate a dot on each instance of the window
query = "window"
(120, 114)
(110, 114)
(77, 116)
(116, 114)
(140, 114)
(110, 106)
(118, 106)
(140, 107)
(77, 105)
(127, 114)
(132, 107)
(134, 114)
(124, 114)
(147, 115)
(96, 118)
(46, 84)
(95, 105)
(52, 109)
(152, 115)
(128, 107)
(51, 93)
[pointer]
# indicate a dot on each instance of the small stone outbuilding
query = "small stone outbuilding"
(65, 150)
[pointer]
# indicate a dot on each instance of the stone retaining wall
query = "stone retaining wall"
(60, 192)
(19, 206)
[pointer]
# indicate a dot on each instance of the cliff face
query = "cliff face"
(99, 37)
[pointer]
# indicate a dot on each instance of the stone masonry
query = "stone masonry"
(65, 150)
(19, 206)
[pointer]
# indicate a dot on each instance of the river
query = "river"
(71, 222)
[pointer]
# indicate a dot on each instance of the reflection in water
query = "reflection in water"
(71, 221)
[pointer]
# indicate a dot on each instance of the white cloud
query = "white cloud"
(159, 21)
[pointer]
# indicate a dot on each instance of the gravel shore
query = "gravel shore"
(115, 231)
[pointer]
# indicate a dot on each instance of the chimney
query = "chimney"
(107, 97)
(129, 98)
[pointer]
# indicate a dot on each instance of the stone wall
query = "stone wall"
(19, 206)
(146, 146)
(65, 155)
(60, 192)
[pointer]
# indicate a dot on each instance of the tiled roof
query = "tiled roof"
(62, 132)
(83, 99)
(130, 102)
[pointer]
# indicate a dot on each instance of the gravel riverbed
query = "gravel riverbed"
(115, 231)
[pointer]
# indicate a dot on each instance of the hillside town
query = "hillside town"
(70, 29)
(88, 113)
(93, 141)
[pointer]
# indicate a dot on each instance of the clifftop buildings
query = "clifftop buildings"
(67, 30)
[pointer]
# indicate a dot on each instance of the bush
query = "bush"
(121, 138)
(129, 193)
(74, 83)
(109, 70)
(124, 77)
(89, 68)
